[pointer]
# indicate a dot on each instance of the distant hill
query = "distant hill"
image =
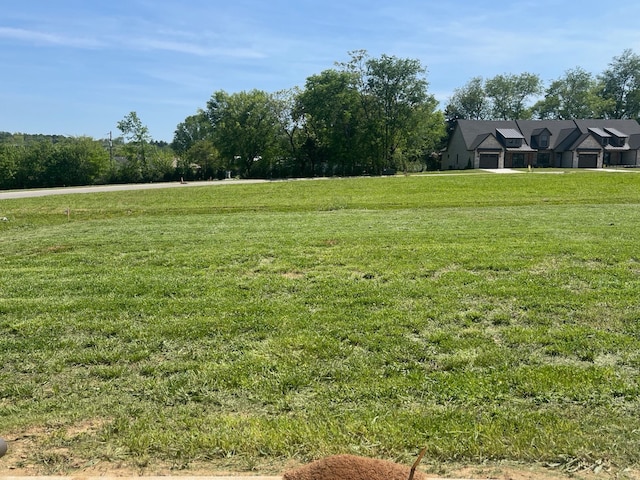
(31, 138)
(28, 138)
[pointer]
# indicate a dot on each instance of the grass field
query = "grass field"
(487, 317)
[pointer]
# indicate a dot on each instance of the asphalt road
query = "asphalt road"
(114, 188)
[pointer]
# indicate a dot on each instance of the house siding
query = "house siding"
(457, 156)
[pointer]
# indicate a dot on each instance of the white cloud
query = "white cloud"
(168, 45)
(46, 38)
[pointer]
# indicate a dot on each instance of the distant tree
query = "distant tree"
(160, 163)
(620, 86)
(400, 91)
(469, 102)
(76, 161)
(9, 161)
(574, 95)
(133, 130)
(138, 138)
(509, 95)
(194, 129)
(290, 161)
(201, 161)
(429, 138)
(395, 99)
(193, 143)
(331, 112)
(245, 128)
(32, 164)
(367, 115)
(394, 102)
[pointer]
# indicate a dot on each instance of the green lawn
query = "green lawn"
(487, 317)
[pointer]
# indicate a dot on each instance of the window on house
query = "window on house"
(543, 159)
(543, 141)
(518, 160)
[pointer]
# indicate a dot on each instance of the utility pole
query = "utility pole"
(110, 148)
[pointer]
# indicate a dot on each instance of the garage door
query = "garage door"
(488, 160)
(587, 160)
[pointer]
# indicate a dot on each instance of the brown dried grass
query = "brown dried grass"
(351, 467)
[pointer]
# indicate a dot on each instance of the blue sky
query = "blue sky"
(77, 67)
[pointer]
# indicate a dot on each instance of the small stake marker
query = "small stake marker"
(416, 463)
(3, 447)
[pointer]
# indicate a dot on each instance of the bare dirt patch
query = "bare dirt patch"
(31, 453)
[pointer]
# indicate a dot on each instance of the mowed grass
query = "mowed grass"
(486, 317)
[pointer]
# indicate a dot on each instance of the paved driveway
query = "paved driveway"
(501, 170)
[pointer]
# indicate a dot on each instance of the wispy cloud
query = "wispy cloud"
(150, 42)
(191, 48)
(46, 38)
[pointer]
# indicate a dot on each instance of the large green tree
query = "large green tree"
(395, 99)
(291, 161)
(193, 143)
(201, 161)
(192, 130)
(399, 90)
(509, 95)
(620, 86)
(245, 128)
(574, 95)
(469, 102)
(331, 111)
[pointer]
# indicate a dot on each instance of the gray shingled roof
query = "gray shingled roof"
(600, 132)
(472, 129)
(509, 133)
(616, 133)
(626, 126)
(530, 128)
(564, 133)
(566, 138)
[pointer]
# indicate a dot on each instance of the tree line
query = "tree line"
(612, 94)
(36, 161)
(367, 115)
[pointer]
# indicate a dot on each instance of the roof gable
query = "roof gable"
(539, 131)
(472, 129)
(533, 128)
(586, 142)
(486, 141)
